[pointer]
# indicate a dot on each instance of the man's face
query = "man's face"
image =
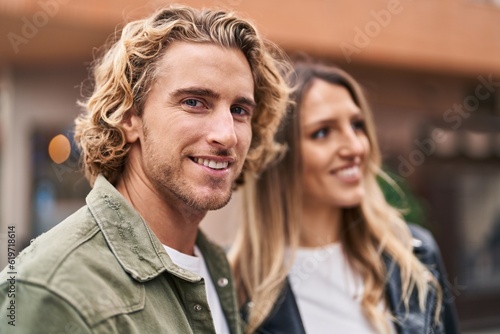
(195, 130)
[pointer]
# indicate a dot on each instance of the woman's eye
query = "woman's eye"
(321, 133)
(359, 125)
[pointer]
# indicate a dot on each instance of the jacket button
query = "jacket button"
(416, 243)
(222, 282)
(197, 307)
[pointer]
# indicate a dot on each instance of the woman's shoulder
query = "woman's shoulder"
(420, 233)
(424, 245)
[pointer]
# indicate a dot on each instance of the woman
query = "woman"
(320, 250)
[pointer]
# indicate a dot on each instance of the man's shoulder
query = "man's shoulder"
(74, 262)
(48, 251)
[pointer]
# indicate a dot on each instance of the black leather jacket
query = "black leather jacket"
(285, 317)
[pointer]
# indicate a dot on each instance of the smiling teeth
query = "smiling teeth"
(211, 163)
(349, 172)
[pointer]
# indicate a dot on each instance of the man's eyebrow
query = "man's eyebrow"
(195, 91)
(212, 94)
(246, 101)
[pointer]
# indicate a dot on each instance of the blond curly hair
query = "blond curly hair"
(124, 75)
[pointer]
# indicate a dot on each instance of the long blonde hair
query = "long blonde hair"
(124, 74)
(272, 221)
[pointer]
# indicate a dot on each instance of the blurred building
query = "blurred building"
(431, 70)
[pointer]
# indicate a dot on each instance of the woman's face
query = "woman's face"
(335, 146)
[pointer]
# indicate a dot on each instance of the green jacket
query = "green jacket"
(102, 270)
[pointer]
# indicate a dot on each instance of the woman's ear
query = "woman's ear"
(132, 126)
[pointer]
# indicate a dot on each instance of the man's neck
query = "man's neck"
(173, 222)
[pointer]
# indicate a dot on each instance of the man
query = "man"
(178, 102)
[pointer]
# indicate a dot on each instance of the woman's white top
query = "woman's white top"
(197, 265)
(328, 292)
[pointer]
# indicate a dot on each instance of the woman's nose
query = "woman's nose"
(351, 143)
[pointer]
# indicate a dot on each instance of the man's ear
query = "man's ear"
(132, 127)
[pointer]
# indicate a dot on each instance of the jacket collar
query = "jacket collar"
(408, 320)
(394, 284)
(129, 238)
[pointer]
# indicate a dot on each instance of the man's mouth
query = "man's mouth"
(211, 163)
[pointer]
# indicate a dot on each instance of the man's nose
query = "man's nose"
(222, 129)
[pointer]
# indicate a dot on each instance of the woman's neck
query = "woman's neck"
(320, 225)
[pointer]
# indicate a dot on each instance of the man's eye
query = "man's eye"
(239, 111)
(192, 103)
(321, 133)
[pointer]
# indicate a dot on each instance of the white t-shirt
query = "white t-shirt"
(328, 292)
(197, 265)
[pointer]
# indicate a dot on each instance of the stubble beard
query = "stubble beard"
(203, 204)
(172, 185)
